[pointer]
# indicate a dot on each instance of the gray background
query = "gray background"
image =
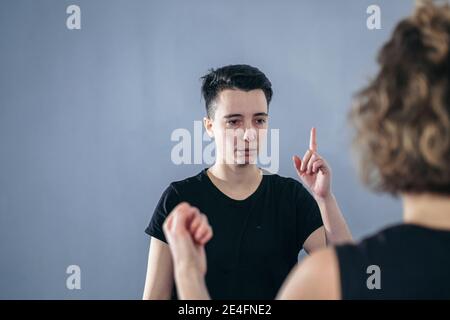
(86, 118)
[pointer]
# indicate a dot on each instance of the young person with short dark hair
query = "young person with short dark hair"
(261, 221)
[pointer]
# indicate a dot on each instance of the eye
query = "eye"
(260, 121)
(232, 122)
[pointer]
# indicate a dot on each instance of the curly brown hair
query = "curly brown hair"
(402, 118)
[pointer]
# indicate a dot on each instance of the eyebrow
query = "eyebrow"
(240, 115)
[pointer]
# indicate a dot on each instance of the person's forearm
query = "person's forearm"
(336, 229)
(191, 285)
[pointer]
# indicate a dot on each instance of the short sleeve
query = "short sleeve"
(168, 201)
(308, 215)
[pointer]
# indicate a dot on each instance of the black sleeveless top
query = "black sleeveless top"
(400, 262)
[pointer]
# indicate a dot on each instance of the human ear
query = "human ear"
(208, 123)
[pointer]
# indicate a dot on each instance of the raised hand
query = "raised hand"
(313, 170)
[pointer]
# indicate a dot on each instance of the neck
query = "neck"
(426, 209)
(236, 174)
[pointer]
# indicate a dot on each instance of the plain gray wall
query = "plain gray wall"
(86, 117)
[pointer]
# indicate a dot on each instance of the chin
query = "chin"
(246, 161)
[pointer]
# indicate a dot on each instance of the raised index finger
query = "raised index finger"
(312, 140)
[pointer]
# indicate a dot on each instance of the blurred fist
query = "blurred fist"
(187, 231)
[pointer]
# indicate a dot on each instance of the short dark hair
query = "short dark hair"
(240, 76)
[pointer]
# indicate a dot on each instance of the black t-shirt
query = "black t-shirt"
(256, 241)
(413, 262)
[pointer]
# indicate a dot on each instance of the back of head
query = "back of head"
(402, 118)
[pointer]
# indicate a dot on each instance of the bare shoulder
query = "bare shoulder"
(316, 277)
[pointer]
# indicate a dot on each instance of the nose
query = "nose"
(250, 134)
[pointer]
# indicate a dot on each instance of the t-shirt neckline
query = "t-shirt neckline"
(226, 198)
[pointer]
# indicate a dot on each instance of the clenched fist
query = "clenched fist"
(187, 231)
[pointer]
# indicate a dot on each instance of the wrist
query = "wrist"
(325, 198)
(186, 271)
(190, 284)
